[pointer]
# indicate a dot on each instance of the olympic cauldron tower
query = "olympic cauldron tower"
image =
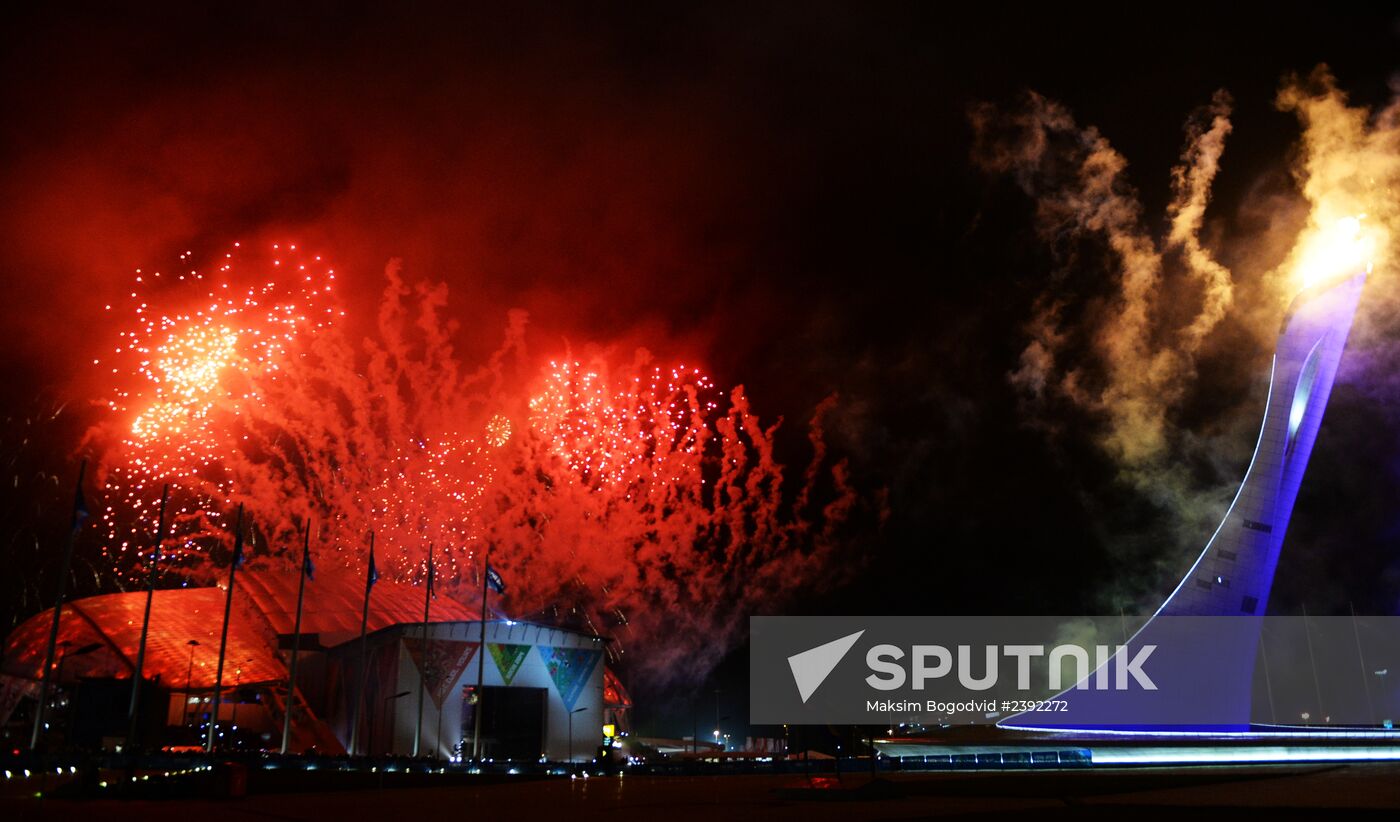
(1234, 574)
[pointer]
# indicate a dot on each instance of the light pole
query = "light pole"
(1386, 723)
(717, 719)
(718, 732)
(571, 730)
(237, 680)
(189, 672)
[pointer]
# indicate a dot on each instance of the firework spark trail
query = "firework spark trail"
(388, 437)
(628, 499)
(658, 509)
(185, 376)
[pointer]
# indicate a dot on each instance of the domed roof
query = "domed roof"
(264, 608)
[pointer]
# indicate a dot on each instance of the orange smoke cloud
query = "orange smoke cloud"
(1126, 349)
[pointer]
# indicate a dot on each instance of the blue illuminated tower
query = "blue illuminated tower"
(1234, 574)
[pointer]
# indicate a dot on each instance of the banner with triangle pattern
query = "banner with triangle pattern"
(570, 669)
(441, 662)
(508, 658)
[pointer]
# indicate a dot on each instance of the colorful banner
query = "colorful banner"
(441, 662)
(570, 669)
(508, 658)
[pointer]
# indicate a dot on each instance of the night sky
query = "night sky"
(787, 194)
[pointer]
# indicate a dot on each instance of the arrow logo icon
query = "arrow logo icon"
(811, 668)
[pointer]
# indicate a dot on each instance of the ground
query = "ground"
(1283, 792)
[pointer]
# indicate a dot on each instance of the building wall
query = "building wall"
(391, 727)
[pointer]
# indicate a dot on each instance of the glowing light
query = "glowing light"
(498, 430)
(1243, 754)
(186, 377)
(1344, 246)
(603, 489)
(186, 373)
(616, 432)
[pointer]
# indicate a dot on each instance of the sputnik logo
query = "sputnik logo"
(811, 667)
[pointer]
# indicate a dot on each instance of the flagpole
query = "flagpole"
(438, 735)
(223, 638)
(79, 512)
(134, 709)
(1361, 657)
(364, 667)
(423, 653)
(481, 662)
(296, 639)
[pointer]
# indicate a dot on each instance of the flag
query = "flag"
(307, 568)
(373, 571)
(80, 509)
(432, 579)
(494, 581)
(238, 545)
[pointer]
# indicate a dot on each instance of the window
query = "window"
(1302, 392)
(1248, 605)
(1226, 553)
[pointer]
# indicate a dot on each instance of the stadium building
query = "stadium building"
(546, 691)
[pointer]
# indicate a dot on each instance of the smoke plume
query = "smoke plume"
(1131, 314)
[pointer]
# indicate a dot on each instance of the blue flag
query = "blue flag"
(80, 509)
(373, 571)
(238, 547)
(494, 581)
(307, 568)
(432, 579)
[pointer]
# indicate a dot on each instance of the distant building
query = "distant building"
(539, 681)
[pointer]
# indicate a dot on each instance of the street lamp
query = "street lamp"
(571, 730)
(717, 719)
(718, 733)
